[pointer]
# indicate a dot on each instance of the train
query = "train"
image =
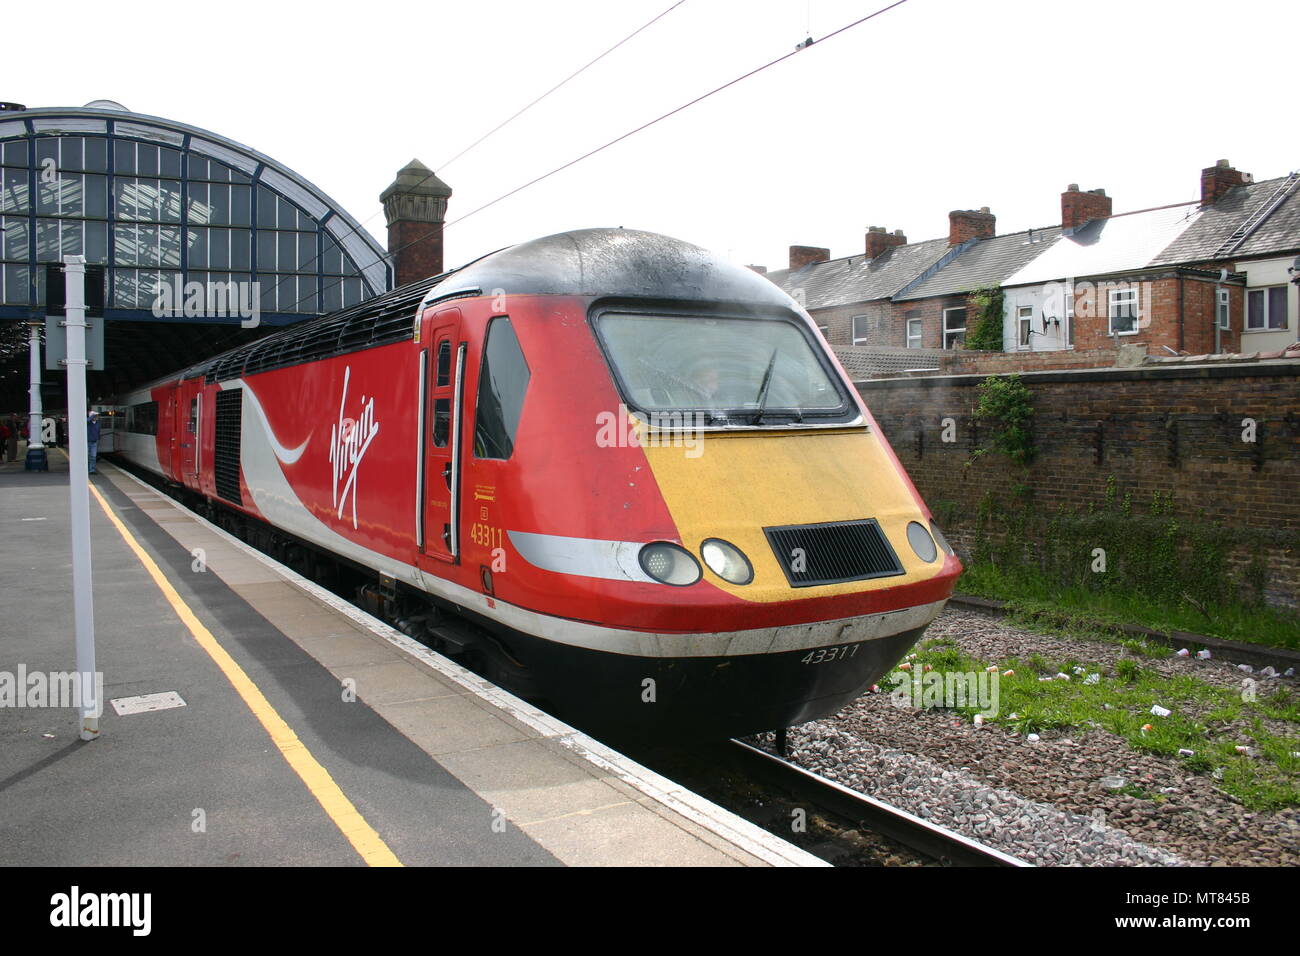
(621, 475)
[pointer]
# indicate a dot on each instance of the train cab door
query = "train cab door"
(442, 374)
(172, 427)
(189, 434)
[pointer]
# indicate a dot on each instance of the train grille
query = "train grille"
(833, 552)
(229, 424)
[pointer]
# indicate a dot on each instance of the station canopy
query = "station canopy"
(165, 208)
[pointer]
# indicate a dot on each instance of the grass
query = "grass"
(1204, 718)
(1033, 599)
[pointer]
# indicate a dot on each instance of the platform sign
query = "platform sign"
(56, 339)
(56, 343)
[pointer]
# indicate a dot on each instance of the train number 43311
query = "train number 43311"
(486, 536)
(824, 655)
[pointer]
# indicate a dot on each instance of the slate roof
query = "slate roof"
(1279, 233)
(859, 279)
(1171, 235)
(1117, 244)
(987, 262)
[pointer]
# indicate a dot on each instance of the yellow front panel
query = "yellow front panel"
(740, 483)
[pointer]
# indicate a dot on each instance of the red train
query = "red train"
(635, 468)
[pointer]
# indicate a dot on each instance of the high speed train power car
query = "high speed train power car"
(634, 471)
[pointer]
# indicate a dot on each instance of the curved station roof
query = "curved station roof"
(163, 206)
(154, 200)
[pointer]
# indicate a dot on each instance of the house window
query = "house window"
(1123, 311)
(913, 333)
(859, 330)
(1225, 321)
(825, 330)
(954, 328)
(1069, 318)
(1266, 309)
(1024, 324)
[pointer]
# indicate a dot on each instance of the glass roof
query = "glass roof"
(161, 206)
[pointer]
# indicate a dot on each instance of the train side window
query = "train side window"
(441, 421)
(142, 419)
(444, 364)
(502, 383)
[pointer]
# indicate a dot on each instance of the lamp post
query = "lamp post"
(36, 459)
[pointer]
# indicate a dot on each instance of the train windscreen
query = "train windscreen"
(745, 370)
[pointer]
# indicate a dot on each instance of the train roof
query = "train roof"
(626, 263)
(618, 262)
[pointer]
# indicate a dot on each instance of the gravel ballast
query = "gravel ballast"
(1053, 800)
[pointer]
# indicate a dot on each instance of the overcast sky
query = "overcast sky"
(933, 106)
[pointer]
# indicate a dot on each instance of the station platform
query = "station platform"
(307, 733)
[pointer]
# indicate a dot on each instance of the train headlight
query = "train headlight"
(727, 561)
(921, 542)
(938, 536)
(670, 563)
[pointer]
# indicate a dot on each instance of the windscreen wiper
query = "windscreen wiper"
(762, 389)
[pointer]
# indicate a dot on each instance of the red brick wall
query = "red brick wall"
(801, 256)
(418, 247)
(966, 224)
(880, 326)
(1161, 301)
(887, 321)
(1217, 180)
(1201, 460)
(1079, 207)
(1003, 363)
(878, 241)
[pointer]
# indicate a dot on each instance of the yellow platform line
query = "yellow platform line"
(328, 794)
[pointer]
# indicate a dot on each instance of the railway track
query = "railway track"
(831, 821)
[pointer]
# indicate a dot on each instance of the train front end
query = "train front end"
(715, 533)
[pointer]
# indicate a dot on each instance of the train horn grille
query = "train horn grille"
(833, 552)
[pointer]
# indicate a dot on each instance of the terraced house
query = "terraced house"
(1217, 274)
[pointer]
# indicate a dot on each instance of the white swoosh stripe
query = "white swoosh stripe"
(287, 456)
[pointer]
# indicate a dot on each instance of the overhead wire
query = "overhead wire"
(352, 230)
(658, 119)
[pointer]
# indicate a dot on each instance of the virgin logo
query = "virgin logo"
(349, 439)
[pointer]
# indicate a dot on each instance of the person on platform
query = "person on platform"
(16, 431)
(92, 440)
(6, 432)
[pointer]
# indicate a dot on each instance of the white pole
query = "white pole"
(74, 275)
(34, 426)
(36, 460)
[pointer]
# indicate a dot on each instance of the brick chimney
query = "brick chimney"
(878, 240)
(966, 224)
(415, 206)
(801, 256)
(1218, 179)
(1079, 207)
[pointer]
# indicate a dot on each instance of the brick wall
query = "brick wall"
(418, 247)
(887, 321)
(1003, 363)
(1174, 430)
(880, 323)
